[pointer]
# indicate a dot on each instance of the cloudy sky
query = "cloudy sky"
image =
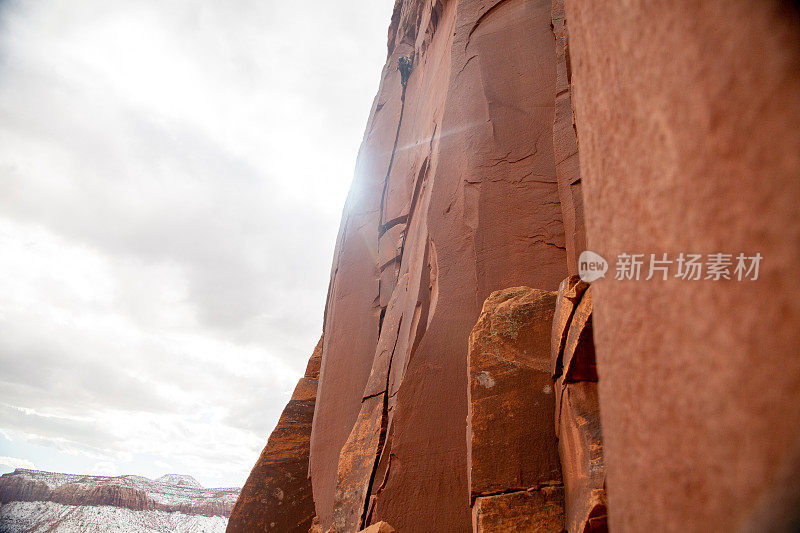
(172, 173)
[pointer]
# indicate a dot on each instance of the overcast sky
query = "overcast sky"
(172, 174)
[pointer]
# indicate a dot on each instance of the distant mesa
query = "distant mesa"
(180, 480)
(34, 500)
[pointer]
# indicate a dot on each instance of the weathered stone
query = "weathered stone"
(578, 357)
(277, 494)
(565, 144)
(580, 445)
(361, 452)
(577, 413)
(357, 464)
(378, 379)
(512, 442)
(22, 488)
(390, 246)
(105, 494)
(533, 511)
(315, 526)
(468, 181)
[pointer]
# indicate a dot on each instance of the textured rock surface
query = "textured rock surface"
(687, 118)
(468, 182)
(532, 511)
(21, 488)
(510, 430)
(577, 413)
(106, 494)
(277, 494)
(565, 144)
(578, 358)
(570, 291)
(580, 445)
(455, 196)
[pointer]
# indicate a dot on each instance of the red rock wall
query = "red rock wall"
(113, 495)
(687, 116)
(23, 489)
(684, 117)
(565, 144)
(455, 196)
(577, 408)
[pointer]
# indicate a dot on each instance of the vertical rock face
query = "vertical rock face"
(277, 494)
(577, 411)
(684, 117)
(23, 489)
(455, 196)
(687, 117)
(113, 495)
(565, 144)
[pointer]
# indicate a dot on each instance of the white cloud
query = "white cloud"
(14, 462)
(104, 468)
(172, 174)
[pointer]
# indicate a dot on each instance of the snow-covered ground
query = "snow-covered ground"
(170, 489)
(185, 500)
(35, 517)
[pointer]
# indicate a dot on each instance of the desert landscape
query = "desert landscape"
(563, 295)
(32, 500)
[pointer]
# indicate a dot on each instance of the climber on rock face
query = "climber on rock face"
(404, 65)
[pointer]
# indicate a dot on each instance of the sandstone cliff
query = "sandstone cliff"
(455, 195)
(458, 390)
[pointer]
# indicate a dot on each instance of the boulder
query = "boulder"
(513, 445)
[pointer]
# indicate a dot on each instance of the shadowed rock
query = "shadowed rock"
(577, 416)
